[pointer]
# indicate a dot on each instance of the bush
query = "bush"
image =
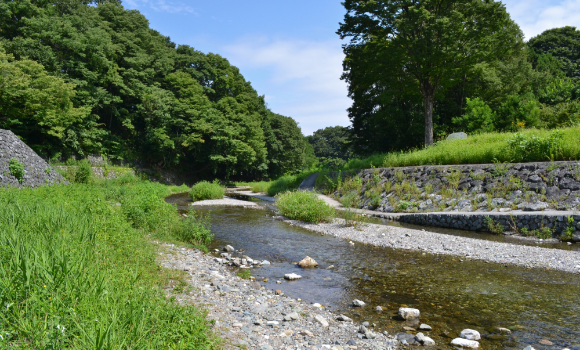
(16, 168)
(305, 206)
(84, 172)
(195, 230)
(527, 148)
(207, 190)
(287, 183)
(478, 117)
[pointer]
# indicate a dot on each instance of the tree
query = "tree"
(428, 46)
(562, 44)
(331, 144)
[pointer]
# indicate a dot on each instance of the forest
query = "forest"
(398, 61)
(82, 77)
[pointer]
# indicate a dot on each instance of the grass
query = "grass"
(305, 206)
(257, 187)
(480, 149)
(207, 190)
(78, 270)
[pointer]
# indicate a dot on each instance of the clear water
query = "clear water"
(451, 294)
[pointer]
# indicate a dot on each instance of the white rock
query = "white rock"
(317, 305)
(358, 303)
(344, 318)
(409, 313)
(424, 340)
(307, 262)
(470, 334)
(229, 248)
(378, 309)
(265, 262)
(321, 320)
(425, 327)
(529, 347)
(272, 323)
(292, 276)
(464, 343)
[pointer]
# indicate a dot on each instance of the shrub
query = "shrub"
(478, 117)
(304, 206)
(195, 230)
(245, 274)
(207, 190)
(493, 226)
(17, 169)
(84, 172)
(527, 148)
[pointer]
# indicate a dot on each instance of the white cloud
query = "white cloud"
(159, 6)
(301, 78)
(535, 16)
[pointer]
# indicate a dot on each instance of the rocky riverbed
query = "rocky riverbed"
(248, 314)
(436, 243)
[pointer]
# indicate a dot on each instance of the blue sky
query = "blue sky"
(289, 51)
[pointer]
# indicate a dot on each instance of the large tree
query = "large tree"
(563, 44)
(428, 46)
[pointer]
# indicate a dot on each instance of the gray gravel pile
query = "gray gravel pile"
(247, 314)
(437, 243)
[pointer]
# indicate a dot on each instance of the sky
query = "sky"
(289, 50)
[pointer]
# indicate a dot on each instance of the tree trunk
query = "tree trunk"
(428, 97)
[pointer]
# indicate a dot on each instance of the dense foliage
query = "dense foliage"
(80, 77)
(206, 190)
(79, 270)
(520, 86)
(331, 145)
(305, 206)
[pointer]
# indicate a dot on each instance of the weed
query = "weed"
(429, 188)
(352, 218)
(245, 274)
(304, 206)
(499, 168)
(399, 176)
(48, 170)
(544, 232)
(453, 178)
(84, 172)
(207, 190)
(16, 168)
(552, 166)
(568, 233)
(493, 226)
(403, 205)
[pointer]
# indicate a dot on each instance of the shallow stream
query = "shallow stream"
(452, 294)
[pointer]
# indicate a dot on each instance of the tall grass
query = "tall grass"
(304, 206)
(207, 190)
(256, 187)
(476, 149)
(77, 270)
(287, 183)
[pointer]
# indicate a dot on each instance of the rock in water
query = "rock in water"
(307, 262)
(425, 327)
(424, 340)
(358, 303)
(292, 276)
(464, 343)
(457, 136)
(529, 347)
(408, 313)
(470, 334)
(343, 318)
(229, 248)
(379, 309)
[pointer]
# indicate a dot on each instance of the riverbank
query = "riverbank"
(247, 314)
(436, 243)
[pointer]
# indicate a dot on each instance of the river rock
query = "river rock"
(424, 340)
(307, 262)
(291, 316)
(229, 248)
(425, 327)
(343, 318)
(409, 313)
(265, 262)
(464, 343)
(358, 303)
(379, 309)
(292, 276)
(529, 347)
(321, 320)
(470, 334)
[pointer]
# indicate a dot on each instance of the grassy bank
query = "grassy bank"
(78, 269)
(305, 206)
(529, 146)
(282, 184)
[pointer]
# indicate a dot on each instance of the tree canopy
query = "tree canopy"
(426, 47)
(331, 145)
(95, 78)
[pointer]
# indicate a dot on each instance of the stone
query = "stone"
(292, 276)
(529, 347)
(409, 313)
(457, 136)
(291, 316)
(229, 248)
(502, 330)
(470, 334)
(343, 318)
(265, 262)
(358, 303)
(278, 292)
(307, 262)
(464, 343)
(425, 327)
(321, 320)
(545, 342)
(379, 309)
(538, 206)
(424, 340)
(272, 323)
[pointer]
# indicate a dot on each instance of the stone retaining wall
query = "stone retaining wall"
(38, 172)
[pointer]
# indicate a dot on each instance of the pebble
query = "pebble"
(464, 343)
(470, 334)
(409, 313)
(292, 276)
(358, 303)
(378, 309)
(321, 320)
(425, 327)
(545, 342)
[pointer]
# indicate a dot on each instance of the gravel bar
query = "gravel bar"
(249, 316)
(229, 202)
(437, 243)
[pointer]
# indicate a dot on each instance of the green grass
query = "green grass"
(287, 183)
(304, 206)
(179, 189)
(78, 270)
(256, 187)
(207, 190)
(476, 149)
